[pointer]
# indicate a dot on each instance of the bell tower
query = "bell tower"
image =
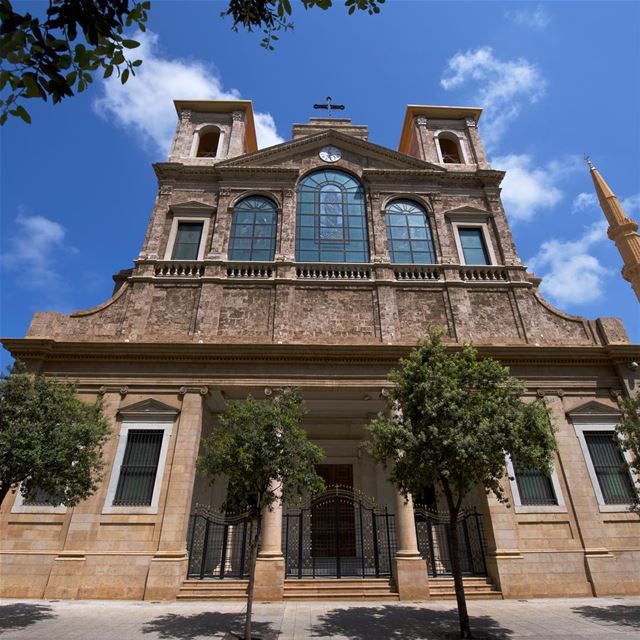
(212, 130)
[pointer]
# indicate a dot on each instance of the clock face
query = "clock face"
(330, 154)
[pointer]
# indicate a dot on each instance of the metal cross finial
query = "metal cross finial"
(328, 106)
(587, 159)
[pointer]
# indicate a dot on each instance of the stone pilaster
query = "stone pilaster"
(68, 569)
(426, 140)
(237, 139)
(477, 148)
(287, 227)
(222, 230)
(169, 564)
(501, 231)
(410, 568)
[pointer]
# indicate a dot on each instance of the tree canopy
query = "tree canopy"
(58, 54)
(264, 453)
(50, 441)
(629, 432)
(453, 417)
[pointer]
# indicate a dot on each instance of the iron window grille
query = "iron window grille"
(610, 467)
(139, 468)
(534, 486)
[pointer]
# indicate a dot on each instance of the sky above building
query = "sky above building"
(555, 79)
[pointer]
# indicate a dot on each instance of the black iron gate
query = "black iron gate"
(338, 533)
(433, 542)
(218, 545)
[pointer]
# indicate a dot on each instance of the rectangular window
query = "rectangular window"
(534, 487)
(609, 465)
(473, 245)
(139, 468)
(187, 243)
(40, 498)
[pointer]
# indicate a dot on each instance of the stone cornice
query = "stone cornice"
(39, 348)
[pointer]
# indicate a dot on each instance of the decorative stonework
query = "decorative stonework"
(471, 123)
(185, 115)
(421, 121)
(238, 116)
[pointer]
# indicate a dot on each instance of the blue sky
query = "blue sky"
(557, 79)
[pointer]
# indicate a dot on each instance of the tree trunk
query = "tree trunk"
(252, 576)
(456, 570)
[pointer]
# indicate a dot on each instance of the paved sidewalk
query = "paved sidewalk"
(566, 619)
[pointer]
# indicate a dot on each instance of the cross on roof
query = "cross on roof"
(328, 106)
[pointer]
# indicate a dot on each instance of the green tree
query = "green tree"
(264, 453)
(49, 439)
(453, 417)
(629, 431)
(56, 55)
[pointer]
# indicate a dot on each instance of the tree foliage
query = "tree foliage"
(629, 432)
(49, 439)
(272, 16)
(261, 448)
(55, 56)
(453, 417)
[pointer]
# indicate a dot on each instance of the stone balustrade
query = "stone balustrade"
(415, 272)
(173, 269)
(333, 272)
(484, 274)
(253, 271)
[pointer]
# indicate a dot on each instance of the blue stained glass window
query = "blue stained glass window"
(473, 247)
(409, 233)
(331, 224)
(253, 230)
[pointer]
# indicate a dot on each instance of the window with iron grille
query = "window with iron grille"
(139, 468)
(40, 498)
(534, 486)
(187, 243)
(610, 467)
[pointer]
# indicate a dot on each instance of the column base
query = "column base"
(269, 579)
(166, 573)
(411, 578)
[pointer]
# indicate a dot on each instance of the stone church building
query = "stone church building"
(316, 264)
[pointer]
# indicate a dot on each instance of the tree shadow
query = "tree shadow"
(389, 622)
(22, 614)
(617, 614)
(210, 624)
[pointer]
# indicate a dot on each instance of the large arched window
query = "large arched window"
(331, 221)
(253, 230)
(409, 233)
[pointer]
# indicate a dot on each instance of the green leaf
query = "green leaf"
(125, 76)
(130, 44)
(21, 112)
(71, 77)
(108, 71)
(136, 63)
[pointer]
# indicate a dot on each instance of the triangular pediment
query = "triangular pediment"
(287, 153)
(594, 408)
(469, 210)
(191, 205)
(148, 410)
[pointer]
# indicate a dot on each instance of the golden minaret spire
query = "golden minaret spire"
(622, 229)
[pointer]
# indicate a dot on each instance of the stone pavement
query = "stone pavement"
(564, 619)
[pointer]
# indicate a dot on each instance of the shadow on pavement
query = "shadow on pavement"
(209, 624)
(391, 622)
(23, 614)
(620, 614)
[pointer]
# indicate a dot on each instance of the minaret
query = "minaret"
(622, 230)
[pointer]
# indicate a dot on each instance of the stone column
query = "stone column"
(477, 147)
(269, 576)
(410, 567)
(169, 564)
(222, 228)
(237, 138)
(286, 251)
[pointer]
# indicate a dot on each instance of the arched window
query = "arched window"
(449, 149)
(208, 140)
(331, 222)
(409, 233)
(253, 230)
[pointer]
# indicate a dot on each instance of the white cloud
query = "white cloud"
(526, 190)
(572, 275)
(631, 205)
(584, 201)
(145, 103)
(33, 249)
(534, 18)
(500, 87)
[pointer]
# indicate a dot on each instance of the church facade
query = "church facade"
(316, 264)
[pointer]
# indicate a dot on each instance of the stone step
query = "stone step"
(475, 588)
(339, 589)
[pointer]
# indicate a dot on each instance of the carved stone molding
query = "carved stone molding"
(421, 121)
(182, 391)
(185, 115)
(615, 393)
(224, 192)
(123, 391)
(287, 194)
(238, 116)
(471, 123)
(165, 189)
